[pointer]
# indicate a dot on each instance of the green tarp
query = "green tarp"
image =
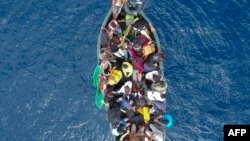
(99, 97)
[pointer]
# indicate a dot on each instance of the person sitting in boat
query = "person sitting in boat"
(140, 101)
(105, 68)
(163, 121)
(126, 84)
(135, 87)
(105, 54)
(160, 86)
(116, 129)
(114, 27)
(130, 9)
(125, 136)
(130, 19)
(143, 47)
(111, 99)
(157, 105)
(113, 115)
(154, 133)
(137, 134)
(155, 96)
(134, 116)
(119, 128)
(127, 99)
(118, 52)
(105, 37)
(153, 62)
(142, 27)
(136, 46)
(154, 76)
(117, 7)
(127, 70)
(114, 77)
(137, 61)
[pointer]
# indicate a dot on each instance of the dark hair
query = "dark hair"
(120, 130)
(106, 99)
(115, 124)
(135, 87)
(162, 83)
(109, 94)
(116, 40)
(156, 77)
(127, 89)
(102, 51)
(124, 66)
(114, 47)
(163, 95)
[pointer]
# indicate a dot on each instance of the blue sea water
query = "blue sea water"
(48, 54)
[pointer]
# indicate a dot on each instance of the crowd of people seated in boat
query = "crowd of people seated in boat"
(131, 78)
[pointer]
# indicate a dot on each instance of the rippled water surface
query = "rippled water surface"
(48, 53)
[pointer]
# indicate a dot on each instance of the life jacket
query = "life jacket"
(114, 77)
(147, 50)
(145, 112)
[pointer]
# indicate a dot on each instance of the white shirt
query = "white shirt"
(149, 75)
(122, 90)
(154, 96)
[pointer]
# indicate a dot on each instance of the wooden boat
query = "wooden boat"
(154, 38)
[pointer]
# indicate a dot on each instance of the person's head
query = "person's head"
(137, 45)
(106, 100)
(102, 54)
(155, 64)
(160, 86)
(120, 130)
(110, 94)
(116, 39)
(106, 67)
(127, 90)
(162, 83)
(142, 92)
(118, 2)
(115, 124)
(156, 77)
(163, 96)
(114, 47)
(135, 87)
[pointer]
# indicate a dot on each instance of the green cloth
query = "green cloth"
(99, 96)
(129, 17)
(96, 76)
